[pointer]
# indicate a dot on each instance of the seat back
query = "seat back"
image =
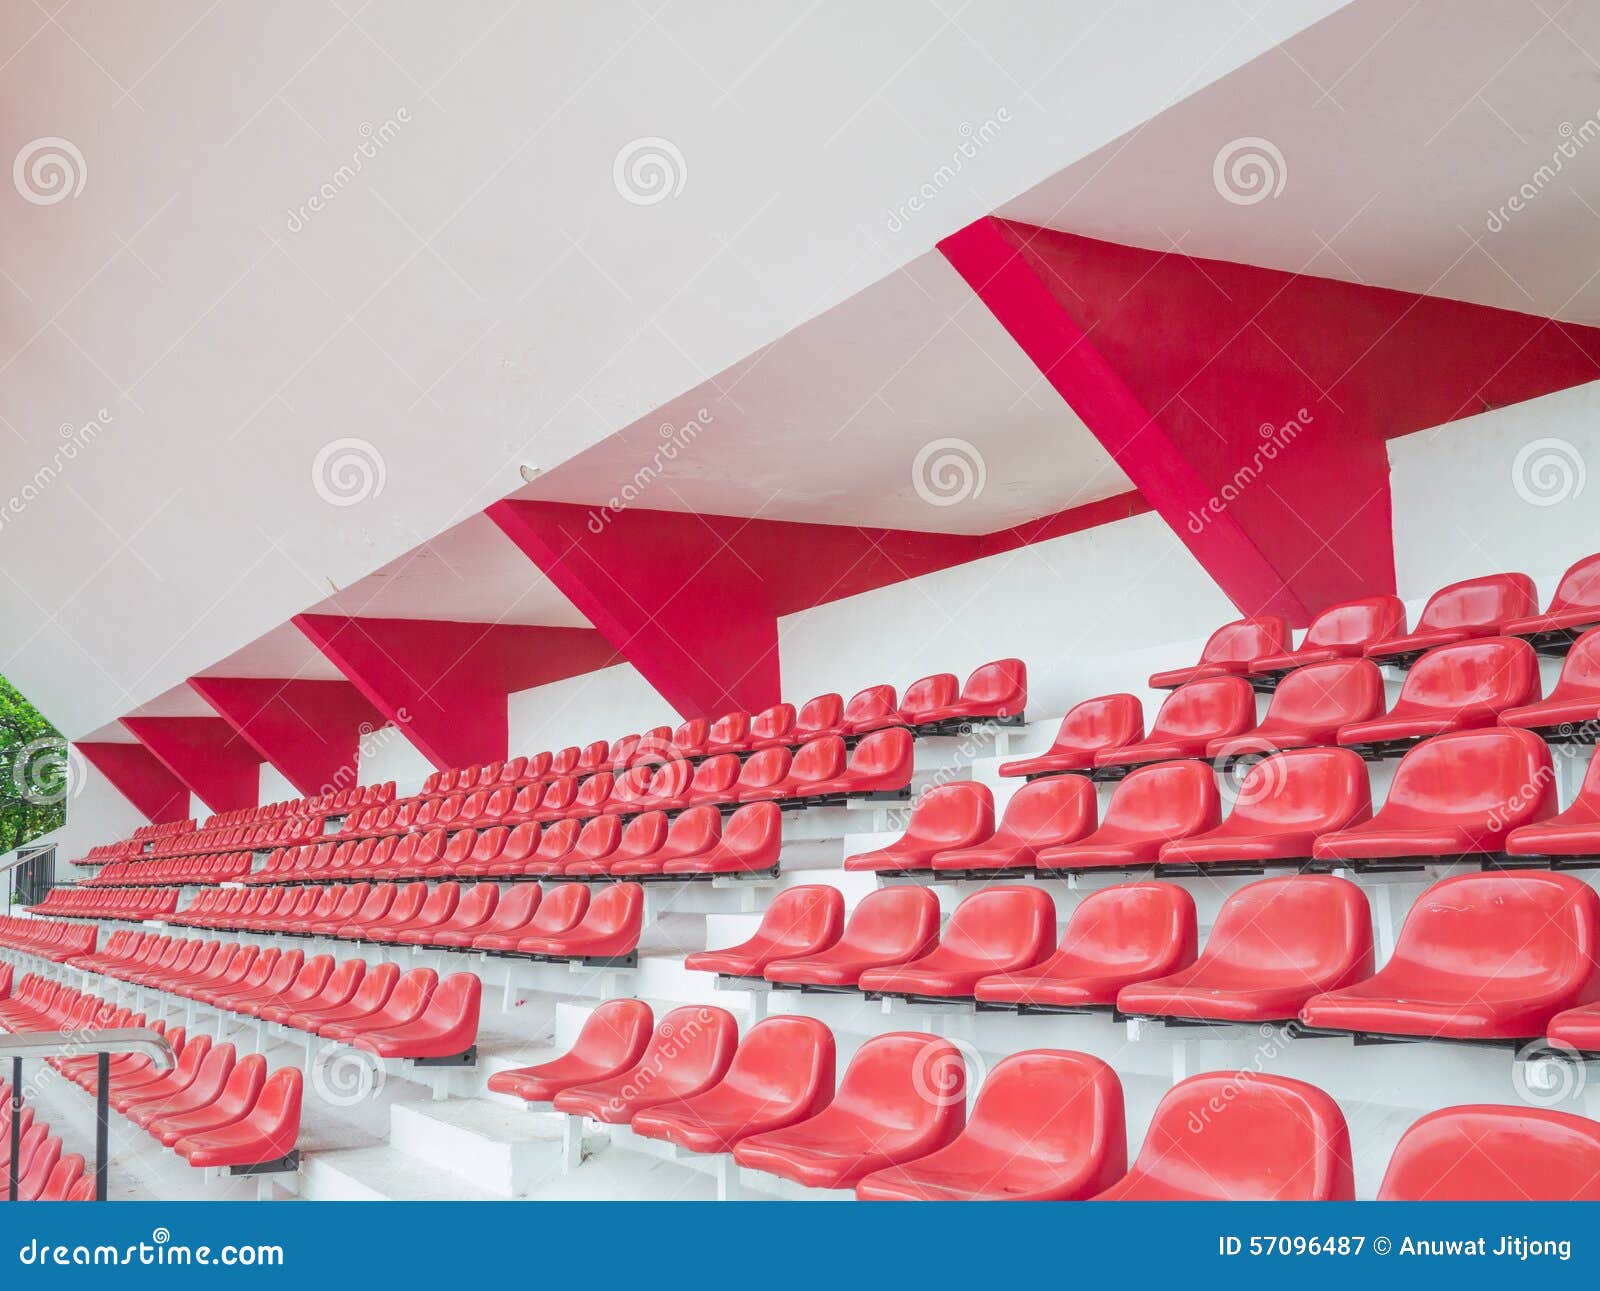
(1166, 800)
(1053, 1105)
(716, 775)
(1008, 927)
(558, 840)
(953, 815)
(1000, 686)
(765, 769)
(1352, 626)
(1479, 603)
(1579, 588)
(1489, 672)
(696, 830)
(598, 838)
(820, 714)
(1246, 639)
(1318, 789)
(786, 1064)
(773, 723)
(876, 704)
(1497, 778)
(819, 759)
(890, 924)
(881, 752)
(690, 1048)
(1044, 813)
(618, 908)
(515, 909)
(593, 793)
(1105, 722)
(1211, 706)
(937, 691)
(804, 919)
(1580, 670)
(1315, 928)
(615, 1034)
(1488, 1153)
(1130, 926)
(903, 1082)
(643, 835)
(1327, 695)
(559, 911)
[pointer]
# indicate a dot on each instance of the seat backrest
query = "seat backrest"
(691, 1047)
(1245, 639)
(819, 759)
(1497, 774)
(821, 713)
(999, 682)
(809, 917)
(1580, 670)
(691, 735)
(1211, 706)
(1579, 588)
(1497, 672)
(522, 841)
(785, 1062)
(489, 844)
(558, 840)
(904, 1081)
(643, 835)
(766, 768)
(598, 837)
(755, 830)
(716, 774)
(615, 1034)
(619, 906)
(560, 909)
(516, 908)
(1055, 1105)
(1004, 925)
(895, 923)
(1359, 623)
(1318, 789)
(1131, 924)
(1166, 800)
(593, 792)
(1043, 813)
(1314, 925)
(937, 691)
(881, 752)
(1479, 602)
(1327, 694)
(1488, 1153)
(1105, 722)
(871, 704)
(953, 815)
(697, 829)
(773, 723)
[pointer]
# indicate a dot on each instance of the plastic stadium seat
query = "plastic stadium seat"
(927, 695)
(823, 715)
(1476, 607)
(1044, 813)
(267, 1133)
(902, 1097)
(995, 930)
(668, 785)
(643, 836)
(1572, 833)
(714, 781)
(560, 910)
(612, 1039)
(1282, 806)
(1149, 809)
(232, 1103)
(689, 740)
(1479, 957)
(1574, 608)
(373, 992)
(689, 1053)
(693, 833)
(1489, 1153)
(730, 733)
(510, 920)
(609, 929)
(890, 926)
(800, 921)
(960, 814)
(880, 763)
(1107, 722)
(1241, 1136)
(1047, 1125)
(751, 843)
(1274, 945)
(447, 1027)
(772, 726)
(1116, 936)
(994, 691)
(1231, 651)
(405, 1005)
(1459, 794)
(1342, 631)
(781, 1073)
(1190, 720)
(869, 710)
(762, 775)
(1454, 688)
(1309, 706)
(1574, 701)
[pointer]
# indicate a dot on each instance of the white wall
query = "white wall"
(96, 813)
(596, 706)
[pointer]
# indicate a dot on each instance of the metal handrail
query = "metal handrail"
(102, 1042)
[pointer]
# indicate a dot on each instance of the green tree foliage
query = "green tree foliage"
(36, 775)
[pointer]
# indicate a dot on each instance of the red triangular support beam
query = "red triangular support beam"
(206, 754)
(156, 794)
(445, 684)
(310, 731)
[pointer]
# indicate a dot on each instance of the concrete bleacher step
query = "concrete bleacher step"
(503, 1150)
(382, 1174)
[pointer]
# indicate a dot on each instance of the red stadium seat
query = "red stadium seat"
(688, 1054)
(1231, 651)
(1149, 809)
(1309, 706)
(814, 764)
(1458, 794)
(1574, 608)
(266, 1134)
(447, 1027)
(823, 715)
(890, 926)
(1047, 1125)
(560, 910)
(1573, 705)
(995, 930)
(612, 1039)
(1475, 607)
(879, 764)
(1282, 806)
(1453, 688)
(927, 695)
(1091, 727)
(750, 843)
(511, 915)
(1488, 1153)
(713, 781)
(1241, 1136)
(995, 691)
(730, 733)
(1274, 945)
(771, 726)
(609, 929)
(869, 710)
(1479, 957)
(781, 1074)
(1191, 719)
(1116, 936)
(959, 814)
(800, 921)
(643, 836)
(1342, 631)
(1572, 834)
(902, 1097)
(1045, 813)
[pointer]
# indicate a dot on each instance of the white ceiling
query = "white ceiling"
(1404, 130)
(284, 652)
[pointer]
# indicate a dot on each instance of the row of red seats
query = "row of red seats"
(1375, 627)
(47, 938)
(106, 853)
(414, 1016)
(161, 830)
(565, 922)
(43, 1172)
(222, 867)
(212, 1111)
(696, 844)
(131, 904)
(233, 838)
(336, 802)
(1484, 795)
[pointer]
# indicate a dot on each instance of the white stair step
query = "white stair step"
(502, 1150)
(382, 1174)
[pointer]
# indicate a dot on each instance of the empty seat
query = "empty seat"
(1274, 945)
(928, 695)
(881, 763)
(612, 1039)
(822, 715)
(1106, 722)
(1574, 608)
(1479, 957)
(1342, 631)
(730, 733)
(692, 833)
(1309, 706)
(609, 929)
(1231, 650)
(1149, 809)
(1458, 794)
(1454, 688)
(996, 691)
(1047, 1125)
(1045, 813)
(446, 1027)
(947, 816)
(688, 1053)
(1574, 701)
(889, 926)
(750, 843)
(1489, 1153)
(1572, 833)
(995, 930)
(265, 1135)
(800, 921)
(1241, 1136)
(781, 1074)
(1283, 805)
(1117, 936)
(772, 726)
(1191, 718)
(1475, 607)
(902, 1097)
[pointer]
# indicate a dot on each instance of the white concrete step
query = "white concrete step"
(503, 1150)
(382, 1174)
